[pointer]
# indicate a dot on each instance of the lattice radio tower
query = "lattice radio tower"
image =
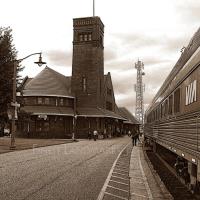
(139, 89)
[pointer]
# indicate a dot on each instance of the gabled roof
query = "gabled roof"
(48, 83)
(128, 116)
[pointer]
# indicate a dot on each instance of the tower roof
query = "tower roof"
(85, 21)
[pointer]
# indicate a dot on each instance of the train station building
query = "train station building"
(55, 106)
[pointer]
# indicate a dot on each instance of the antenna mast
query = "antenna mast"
(93, 8)
(139, 89)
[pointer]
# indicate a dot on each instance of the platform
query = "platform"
(144, 182)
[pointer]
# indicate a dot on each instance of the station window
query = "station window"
(52, 101)
(39, 100)
(46, 101)
(29, 100)
(177, 101)
(61, 102)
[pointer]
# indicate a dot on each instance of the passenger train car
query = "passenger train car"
(172, 120)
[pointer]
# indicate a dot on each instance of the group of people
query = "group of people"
(95, 135)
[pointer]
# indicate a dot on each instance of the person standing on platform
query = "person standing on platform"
(129, 133)
(89, 135)
(95, 134)
(104, 133)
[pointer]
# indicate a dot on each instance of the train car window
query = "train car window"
(162, 110)
(177, 99)
(166, 107)
(171, 105)
(155, 114)
(158, 112)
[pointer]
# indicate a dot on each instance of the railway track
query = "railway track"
(172, 183)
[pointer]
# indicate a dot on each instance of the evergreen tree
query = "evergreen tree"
(8, 55)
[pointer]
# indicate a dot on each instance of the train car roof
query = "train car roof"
(185, 56)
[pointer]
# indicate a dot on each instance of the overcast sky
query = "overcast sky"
(153, 31)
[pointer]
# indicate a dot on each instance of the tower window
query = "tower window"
(101, 41)
(109, 91)
(85, 37)
(84, 84)
(90, 37)
(81, 38)
(109, 105)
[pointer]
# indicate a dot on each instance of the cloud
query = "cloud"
(163, 42)
(60, 57)
(109, 54)
(119, 65)
(189, 10)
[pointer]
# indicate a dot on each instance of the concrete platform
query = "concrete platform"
(144, 182)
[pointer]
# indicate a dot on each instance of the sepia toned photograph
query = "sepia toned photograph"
(100, 100)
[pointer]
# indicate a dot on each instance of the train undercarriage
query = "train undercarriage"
(185, 170)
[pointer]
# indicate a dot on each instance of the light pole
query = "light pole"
(74, 121)
(14, 104)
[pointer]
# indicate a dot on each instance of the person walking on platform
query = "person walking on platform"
(134, 140)
(137, 139)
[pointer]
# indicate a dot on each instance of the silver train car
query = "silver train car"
(172, 120)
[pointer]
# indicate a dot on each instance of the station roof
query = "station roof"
(97, 112)
(130, 119)
(48, 110)
(48, 83)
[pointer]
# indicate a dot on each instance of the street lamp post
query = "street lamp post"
(74, 121)
(14, 104)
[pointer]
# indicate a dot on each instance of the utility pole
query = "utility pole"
(139, 89)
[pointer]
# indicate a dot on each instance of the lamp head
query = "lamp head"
(40, 62)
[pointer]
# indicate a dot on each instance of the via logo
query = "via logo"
(191, 93)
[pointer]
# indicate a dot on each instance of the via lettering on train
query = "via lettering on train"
(191, 93)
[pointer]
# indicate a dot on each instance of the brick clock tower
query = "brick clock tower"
(88, 62)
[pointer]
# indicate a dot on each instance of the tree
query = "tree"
(8, 55)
